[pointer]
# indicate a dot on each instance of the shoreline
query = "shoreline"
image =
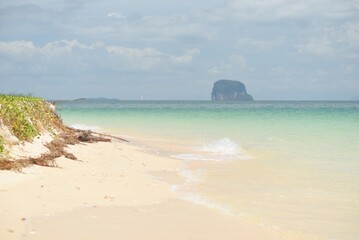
(115, 190)
(40, 191)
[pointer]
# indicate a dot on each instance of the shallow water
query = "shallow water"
(290, 165)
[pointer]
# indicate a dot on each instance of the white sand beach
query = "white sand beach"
(111, 193)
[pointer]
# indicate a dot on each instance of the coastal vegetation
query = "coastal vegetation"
(24, 118)
(1, 145)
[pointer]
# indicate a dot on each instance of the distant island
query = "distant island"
(230, 90)
(96, 99)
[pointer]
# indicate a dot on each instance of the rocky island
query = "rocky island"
(229, 90)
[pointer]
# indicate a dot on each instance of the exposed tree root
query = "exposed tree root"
(110, 136)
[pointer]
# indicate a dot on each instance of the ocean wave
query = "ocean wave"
(85, 127)
(221, 146)
(219, 150)
(195, 157)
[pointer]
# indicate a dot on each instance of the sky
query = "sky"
(177, 49)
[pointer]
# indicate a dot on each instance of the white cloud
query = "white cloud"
(284, 9)
(24, 48)
(62, 47)
(222, 69)
(187, 57)
(239, 61)
(17, 48)
(317, 46)
(133, 58)
(116, 15)
(351, 30)
(233, 65)
(150, 57)
(257, 44)
(134, 52)
(172, 27)
(74, 56)
(279, 72)
(238, 39)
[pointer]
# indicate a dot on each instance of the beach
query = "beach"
(194, 170)
(153, 120)
(114, 191)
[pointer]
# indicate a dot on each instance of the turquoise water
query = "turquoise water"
(290, 165)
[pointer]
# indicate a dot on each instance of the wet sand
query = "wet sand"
(115, 191)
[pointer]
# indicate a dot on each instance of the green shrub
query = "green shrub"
(1, 144)
(26, 116)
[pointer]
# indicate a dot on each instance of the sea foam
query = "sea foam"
(221, 146)
(85, 127)
(219, 150)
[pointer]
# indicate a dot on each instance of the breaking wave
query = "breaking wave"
(222, 146)
(218, 150)
(85, 127)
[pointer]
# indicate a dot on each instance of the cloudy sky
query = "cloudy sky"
(177, 49)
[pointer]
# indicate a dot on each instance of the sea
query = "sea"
(289, 165)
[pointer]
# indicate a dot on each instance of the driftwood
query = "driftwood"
(90, 138)
(56, 150)
(110, 136)
(56, 147)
